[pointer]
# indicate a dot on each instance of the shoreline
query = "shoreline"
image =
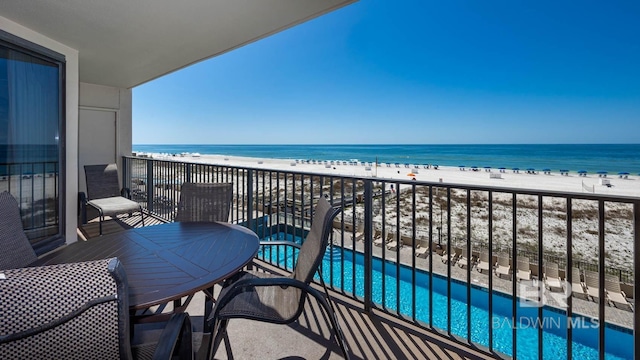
(601, 184)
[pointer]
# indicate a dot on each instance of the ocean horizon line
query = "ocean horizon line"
(611, 158)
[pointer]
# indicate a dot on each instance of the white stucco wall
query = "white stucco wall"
(72, 88)
(96, 99)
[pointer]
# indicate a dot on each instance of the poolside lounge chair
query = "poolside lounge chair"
(503, 266)
(577, 285)
(393, 245)
(203, 202)
(80, 311)
(451, 257)
(377, 238)
(16, 248)
(483, 263)
(463, 261)
(615, 295)
(422, 252)
(591, 283)
(359, 233)
(262, 296)
(552, 279)
(523, 271)
(105, 195)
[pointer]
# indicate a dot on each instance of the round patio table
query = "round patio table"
(166, 262)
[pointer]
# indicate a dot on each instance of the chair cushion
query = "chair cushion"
(115, 205)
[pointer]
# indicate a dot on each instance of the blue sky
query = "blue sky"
(414, 72)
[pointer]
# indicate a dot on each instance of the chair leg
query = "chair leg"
(333, 320)
(218, 331)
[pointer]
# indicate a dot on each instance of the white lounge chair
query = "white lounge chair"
(451, 257)
(523, 271)
(552, 279)
(422, 252)
(359, 234)
(615, 295)
(483, 263)
(592, 285)
(577, 285)
(503, 266)
(393, 245)
(463, 260)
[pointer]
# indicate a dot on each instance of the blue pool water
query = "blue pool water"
(585, 330)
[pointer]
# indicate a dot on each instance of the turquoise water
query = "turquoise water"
(590, 157)
(585, 333)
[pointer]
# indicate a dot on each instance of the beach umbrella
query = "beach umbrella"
(411, 174)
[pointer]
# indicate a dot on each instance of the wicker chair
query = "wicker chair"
(16, 248)
(78, 311)
(270, 298)
(204, 202)
(105, 195)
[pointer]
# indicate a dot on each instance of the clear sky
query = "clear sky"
(414, 72)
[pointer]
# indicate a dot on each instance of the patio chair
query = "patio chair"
(552, 277)
(79, 311)
(204, 202)
(503, 266)
(577, 285)
(105, 195)
(483, 263)
(16, 248)
(359, 233)
(276, 299)
(615, 295)
(523, 271)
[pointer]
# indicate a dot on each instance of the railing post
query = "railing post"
(368, 243)
(636, 276)
(249, 178)
(150, 185)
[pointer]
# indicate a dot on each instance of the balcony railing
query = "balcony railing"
(526, 318)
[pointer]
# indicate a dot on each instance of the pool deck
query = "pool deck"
(613, 315)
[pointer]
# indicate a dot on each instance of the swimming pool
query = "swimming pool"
(585, 331)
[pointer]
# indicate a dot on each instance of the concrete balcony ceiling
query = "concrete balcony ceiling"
(124, 43)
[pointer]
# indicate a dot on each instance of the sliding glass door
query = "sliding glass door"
(31, 137)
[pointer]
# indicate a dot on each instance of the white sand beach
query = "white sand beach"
(553, 181)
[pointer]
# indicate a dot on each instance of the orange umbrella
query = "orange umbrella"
(411, 174)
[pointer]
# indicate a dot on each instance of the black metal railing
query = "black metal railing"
(35, 185)
(375, 255)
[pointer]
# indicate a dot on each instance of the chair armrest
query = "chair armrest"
(245, 285)
(125, 192)
(177, 332)
(280, 242)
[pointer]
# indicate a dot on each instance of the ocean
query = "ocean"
(613, 158)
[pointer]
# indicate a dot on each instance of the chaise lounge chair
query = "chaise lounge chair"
(577, 285)
(377, 238)
(483, 263)
(422, 252)
(552, 279)
(591, 283)
(463, 260)
(615, 295)
(503, 266)
(451, 257)
(523, 271)
(359, 233)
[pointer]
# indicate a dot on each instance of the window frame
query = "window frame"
(16, 43)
